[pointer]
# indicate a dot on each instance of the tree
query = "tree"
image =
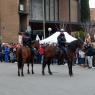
(85, 11)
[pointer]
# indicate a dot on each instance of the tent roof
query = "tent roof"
(53, 38)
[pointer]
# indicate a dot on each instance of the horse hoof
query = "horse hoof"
(43, 73)
(32, 72)
(18, 74)
(71, 75)
(28, 72)
(22, 75)
(50, 73)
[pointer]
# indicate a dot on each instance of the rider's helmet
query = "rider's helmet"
(61, 31)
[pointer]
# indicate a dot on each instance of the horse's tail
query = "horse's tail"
(19, 57)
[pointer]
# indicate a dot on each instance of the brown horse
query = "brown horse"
(54, 52)
(26, 55)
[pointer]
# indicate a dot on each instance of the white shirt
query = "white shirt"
(81, 54)
(20, 39)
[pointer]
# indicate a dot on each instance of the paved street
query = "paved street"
(82, 83)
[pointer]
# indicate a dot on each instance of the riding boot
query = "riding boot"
(65, 50)
(32, 50)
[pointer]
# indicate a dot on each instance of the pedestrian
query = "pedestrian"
(89, 56)
(41, 51)
(0, 53)
(7, 52)
(88, 39)
(81, 58)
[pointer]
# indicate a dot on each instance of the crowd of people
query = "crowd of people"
(86, 58)
(8, 51)
(83, 57)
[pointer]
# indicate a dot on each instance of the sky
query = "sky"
(92, 3)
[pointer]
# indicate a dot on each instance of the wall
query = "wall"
(9, 20)
(74, 9)
(92, 14)
(64, 10)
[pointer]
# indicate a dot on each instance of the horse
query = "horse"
(25, 54)
(54, 52)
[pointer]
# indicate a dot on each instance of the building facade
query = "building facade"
(16, 15)
(92, 14)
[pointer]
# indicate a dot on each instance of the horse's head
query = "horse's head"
(35, 44)
(76, 44)
(80, 44)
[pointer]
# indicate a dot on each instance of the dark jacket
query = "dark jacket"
(61, 40)
(26, 40)
(90, 51)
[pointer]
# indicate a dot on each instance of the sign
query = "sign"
(21, 7)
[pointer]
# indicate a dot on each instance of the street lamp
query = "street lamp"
(49, 29)
(62, 30)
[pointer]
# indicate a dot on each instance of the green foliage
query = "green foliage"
(80, 34)
(85, 11)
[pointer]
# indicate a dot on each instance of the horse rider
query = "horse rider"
(62, 41)
(26, 39)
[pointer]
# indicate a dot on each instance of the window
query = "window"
(51, 10)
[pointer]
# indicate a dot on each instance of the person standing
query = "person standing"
(20, 38)
(81, 57)
(7, 52)
(0, 52)
(41, 51)
(88, 39)
(89, 56)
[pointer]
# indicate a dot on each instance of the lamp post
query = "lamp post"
(49, 29)
(44, 18)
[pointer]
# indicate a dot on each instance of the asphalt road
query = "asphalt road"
(82, 83)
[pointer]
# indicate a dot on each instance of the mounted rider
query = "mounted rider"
(26, 39)
(62, 41)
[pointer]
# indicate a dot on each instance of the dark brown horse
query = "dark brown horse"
(54, 52)
(26, 55)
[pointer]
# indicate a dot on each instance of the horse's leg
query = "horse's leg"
(43, 66)
(70, 68)
(58, 60)
(28, 68)
(32, 63)
(49, 71)
(22, 69)
(18, 69)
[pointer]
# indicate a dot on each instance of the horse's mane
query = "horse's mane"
(74, 44)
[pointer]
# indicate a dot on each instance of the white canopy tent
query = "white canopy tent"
(37, 37)
(53, 38)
